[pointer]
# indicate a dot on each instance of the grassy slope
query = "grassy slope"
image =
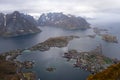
(111, 73)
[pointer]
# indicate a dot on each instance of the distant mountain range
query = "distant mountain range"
(17, 23)
(64, 21)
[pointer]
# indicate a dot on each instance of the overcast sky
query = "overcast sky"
(88, 8)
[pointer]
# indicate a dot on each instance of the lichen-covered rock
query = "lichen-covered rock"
(111, 73)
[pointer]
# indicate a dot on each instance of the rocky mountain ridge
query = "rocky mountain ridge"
(64, 21)
(16, 24)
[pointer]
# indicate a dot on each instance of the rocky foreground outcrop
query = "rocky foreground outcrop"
(12, 70)
(111, 73)
(63, 21)
(16, 24)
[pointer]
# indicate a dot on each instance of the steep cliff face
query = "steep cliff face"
(30, 19)
(1, 22)
(64, 21)
(16, 24)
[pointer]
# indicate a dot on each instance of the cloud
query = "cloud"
(76, 7)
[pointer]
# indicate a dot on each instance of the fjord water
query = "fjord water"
(53, 57)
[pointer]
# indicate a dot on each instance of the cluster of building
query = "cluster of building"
(92, 61)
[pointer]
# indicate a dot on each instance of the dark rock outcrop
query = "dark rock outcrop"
(30, 19)
(16, 24)
(64, 21)
(1, 22)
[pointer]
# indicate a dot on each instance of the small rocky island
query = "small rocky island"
(99, 31)
(63, 21)
(109, 38)
(104, 35)
(50, 69)
(16, 24)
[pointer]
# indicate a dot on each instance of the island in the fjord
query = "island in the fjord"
(109, 38)
(104, 35)
(16, 23)
(59, 42)
(50, 69)
(93, 61)
(63, 21)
